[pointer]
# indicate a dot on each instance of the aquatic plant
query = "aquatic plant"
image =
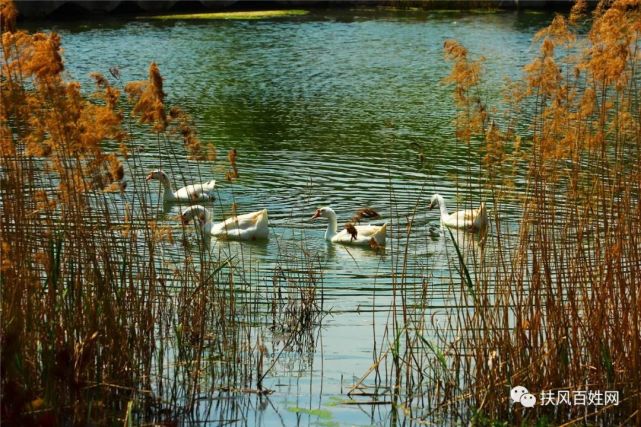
(99, 324)
(558, 309)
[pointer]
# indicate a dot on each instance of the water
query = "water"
(323, 110)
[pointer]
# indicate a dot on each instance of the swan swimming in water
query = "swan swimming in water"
(468, 219)
(189, 193)
(364, 233)
(251, 226)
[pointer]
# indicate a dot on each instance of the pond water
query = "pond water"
(323, 109)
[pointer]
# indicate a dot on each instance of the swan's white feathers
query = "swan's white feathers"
(190, 193)
(251, 226)
(363, 236)
(469, 219)
(254, 225)
(364, 233)
(196, 192)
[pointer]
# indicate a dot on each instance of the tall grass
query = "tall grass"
(567, 316)
(108, 314)
(557, 306)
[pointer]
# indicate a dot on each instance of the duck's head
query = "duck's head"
(435, 201)
(197, 212)
(325, 212)
(157, 174)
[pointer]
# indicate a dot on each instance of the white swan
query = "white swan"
(251, 226)
(364, 233)
(190, 193)
(469, 219)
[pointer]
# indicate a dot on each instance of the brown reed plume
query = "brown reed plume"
(149, 99)
(95, 326)
(566, 294)
(232, 173)
(8, 16)
(556, 305)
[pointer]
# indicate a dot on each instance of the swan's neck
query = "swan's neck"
(441, 204)
(207, 225)
(169, 191)
(331, 228)
(207, 217)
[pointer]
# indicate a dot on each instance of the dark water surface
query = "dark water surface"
(322, 109)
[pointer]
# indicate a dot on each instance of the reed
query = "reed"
(110, 315)
(566, 316)
(99, 325)
(556, 305)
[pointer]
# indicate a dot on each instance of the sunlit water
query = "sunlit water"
(322, 110)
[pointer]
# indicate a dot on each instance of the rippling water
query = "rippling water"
(322, 110)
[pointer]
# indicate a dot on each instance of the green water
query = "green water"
(322, 109)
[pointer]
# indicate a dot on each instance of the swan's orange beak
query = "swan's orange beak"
(316, 214)
(149, 177)
(430, 206)
(184, 220)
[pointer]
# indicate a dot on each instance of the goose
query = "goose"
(251, 226)
(469, 219)
(190, 193)
(364, 233)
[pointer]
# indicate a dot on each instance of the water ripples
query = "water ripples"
(329, 109)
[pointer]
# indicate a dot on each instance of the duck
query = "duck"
(468, 219)
(251, 226)
(190, 193)
(364, 233)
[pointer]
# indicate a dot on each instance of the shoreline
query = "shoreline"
(78, 9)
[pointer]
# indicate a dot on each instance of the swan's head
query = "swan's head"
(157, 174)
(435, 202)
(197, 212)
(325, 212)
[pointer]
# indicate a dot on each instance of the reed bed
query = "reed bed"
(555, 306)
(110, 315)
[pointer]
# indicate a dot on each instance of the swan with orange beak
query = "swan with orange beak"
(358, 235)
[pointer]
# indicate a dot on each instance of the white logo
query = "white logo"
(517, 392)
(528, 400)
(521, 395)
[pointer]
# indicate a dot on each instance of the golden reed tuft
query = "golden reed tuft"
(564, 307)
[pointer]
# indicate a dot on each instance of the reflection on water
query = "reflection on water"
(324, 109)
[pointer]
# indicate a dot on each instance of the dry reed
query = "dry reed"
(557, 306)
(99, 325)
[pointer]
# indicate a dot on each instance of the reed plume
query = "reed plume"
(568, 295)
(554, 306)
(97, 324)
